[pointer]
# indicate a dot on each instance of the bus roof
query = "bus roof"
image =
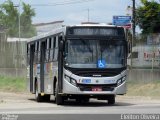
(93, 25)
(63, 29)
(45, 35)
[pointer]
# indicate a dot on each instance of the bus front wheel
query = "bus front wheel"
(111, 100)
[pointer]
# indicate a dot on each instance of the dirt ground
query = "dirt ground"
(9, 97)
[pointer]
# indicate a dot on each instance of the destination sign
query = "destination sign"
(96, 31)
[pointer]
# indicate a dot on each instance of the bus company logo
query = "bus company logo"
(97, 81)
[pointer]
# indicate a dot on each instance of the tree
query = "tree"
(26, 21)
(9, 19)
(148, 16)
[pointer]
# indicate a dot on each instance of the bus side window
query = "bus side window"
(51, 49)
(47, 50)
(55, 47)
(34, 53)
(38, 52)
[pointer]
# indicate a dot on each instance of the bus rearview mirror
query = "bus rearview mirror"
(61, 44)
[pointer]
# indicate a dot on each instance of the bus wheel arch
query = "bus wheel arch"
(54, 85)
(38, 96)
(35, 84)
(59, 100)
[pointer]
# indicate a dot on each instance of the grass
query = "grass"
(151, 89)
(12, 84)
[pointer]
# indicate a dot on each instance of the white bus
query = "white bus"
(78, 62)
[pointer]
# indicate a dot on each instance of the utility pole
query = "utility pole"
(88, 14)
(18, 54)
(134, 19)
(133, 28)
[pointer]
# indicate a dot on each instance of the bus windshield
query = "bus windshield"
(94, 54)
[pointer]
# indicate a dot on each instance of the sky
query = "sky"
(99, 10)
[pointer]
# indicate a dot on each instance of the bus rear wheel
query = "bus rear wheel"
(38, 96)
(47, 98)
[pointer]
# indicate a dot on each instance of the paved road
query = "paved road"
(25, 104)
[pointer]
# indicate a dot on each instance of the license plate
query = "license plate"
(96, 89)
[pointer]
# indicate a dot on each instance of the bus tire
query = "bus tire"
(111, 100)
(38, 96)
(58, 98)
(47, 98)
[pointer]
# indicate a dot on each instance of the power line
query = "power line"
(63, 3)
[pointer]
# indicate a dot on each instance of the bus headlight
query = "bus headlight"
(121, 80)
(71, 80)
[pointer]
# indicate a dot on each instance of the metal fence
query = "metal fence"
(146, 52)
(12, 56)
(145, 58)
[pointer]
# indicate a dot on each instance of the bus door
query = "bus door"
(32, 49)
(42, 63)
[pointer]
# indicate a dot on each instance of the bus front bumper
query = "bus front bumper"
(68, 88)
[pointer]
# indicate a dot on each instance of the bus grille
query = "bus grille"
(106, 87)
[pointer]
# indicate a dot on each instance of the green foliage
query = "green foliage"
(148, 16)
(12, 84)
(144, 89)
(9, 19)
(26, 21)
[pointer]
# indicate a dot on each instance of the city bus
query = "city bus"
(78, 62)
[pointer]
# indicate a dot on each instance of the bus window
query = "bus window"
(34, 53)
(37, 46)
(50, 44)
(55, 47)
(51, 49)
(38, 52)
(46, 49)
(54, 43)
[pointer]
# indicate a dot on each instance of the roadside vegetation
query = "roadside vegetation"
(11, 18)
(13, 84)
(149, 89)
